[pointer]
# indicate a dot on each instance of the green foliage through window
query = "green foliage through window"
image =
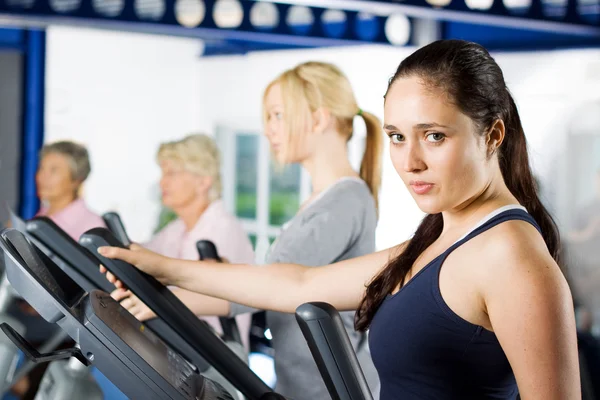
(246, 175)
(284, 196)
(164, 218)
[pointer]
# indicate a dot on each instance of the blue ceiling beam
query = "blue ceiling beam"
(239, 47)
(559, 16)
(498, 38)
(11, 39)
(356, 28)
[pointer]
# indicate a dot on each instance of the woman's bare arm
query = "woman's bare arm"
(277, 287)
(531, 311)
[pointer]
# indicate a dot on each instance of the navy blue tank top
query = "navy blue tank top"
(423, 350)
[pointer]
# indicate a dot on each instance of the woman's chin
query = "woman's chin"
(48, 198)
(280, 159)
(429, 206)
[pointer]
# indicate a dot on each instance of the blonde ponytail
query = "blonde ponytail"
(370, 167)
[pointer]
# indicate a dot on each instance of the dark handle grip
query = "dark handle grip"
(332, 350)
(115, 225)
(208, 251)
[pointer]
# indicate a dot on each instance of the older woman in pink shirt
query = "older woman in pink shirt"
(191, 187)
(64, 166)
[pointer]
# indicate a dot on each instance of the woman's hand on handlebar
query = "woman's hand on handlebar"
(111, 278)
(133, 304)
(145, 260)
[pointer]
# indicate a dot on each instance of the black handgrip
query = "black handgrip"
(208, 251)
(231, 332)
(115, 225)
(330, 346)
(35, 356)
(169, 308)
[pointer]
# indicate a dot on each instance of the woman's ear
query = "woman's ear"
(204, 184)
(321, 120)
(495, 137)
(78, 188)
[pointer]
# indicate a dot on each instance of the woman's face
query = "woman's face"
(54, 179)
(276, 133)
(178, 186)
(434, 147)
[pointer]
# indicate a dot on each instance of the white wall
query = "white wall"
(549, 88)
(121, 94)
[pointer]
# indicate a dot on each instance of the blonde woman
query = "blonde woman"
(309, 113)
(191, 187)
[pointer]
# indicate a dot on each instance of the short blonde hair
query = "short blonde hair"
(312, 85)
(198, 154)
(76, 154)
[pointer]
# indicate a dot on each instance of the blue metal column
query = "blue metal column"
(33, 121)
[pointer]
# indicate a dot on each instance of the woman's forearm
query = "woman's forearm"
(202, 305)
(277, 287)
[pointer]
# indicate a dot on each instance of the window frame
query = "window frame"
(225, 137)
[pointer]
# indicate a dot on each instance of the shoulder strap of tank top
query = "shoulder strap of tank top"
(509, 215)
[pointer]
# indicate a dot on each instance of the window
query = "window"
(284, 193)
(262, 194)
(246, 163)
(253, 239)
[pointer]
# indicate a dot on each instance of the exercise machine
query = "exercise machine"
(108, 336)
(9, 354)
(169, 308)
(208, 251)
(133, 358)
(63, 379)
(332, 350)
(82, 266)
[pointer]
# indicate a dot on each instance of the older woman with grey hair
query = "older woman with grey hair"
(63, 168)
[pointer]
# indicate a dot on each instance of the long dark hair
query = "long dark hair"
(473, 81)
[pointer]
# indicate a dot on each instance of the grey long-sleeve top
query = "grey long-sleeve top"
(338, 225)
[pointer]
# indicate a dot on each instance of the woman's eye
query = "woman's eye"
(396, 138)
(435, 137)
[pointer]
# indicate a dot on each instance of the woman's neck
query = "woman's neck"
(57, 205)
(191, 213)
(328, 164)
(493, 196)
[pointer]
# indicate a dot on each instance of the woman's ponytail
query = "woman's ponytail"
(370, 167)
